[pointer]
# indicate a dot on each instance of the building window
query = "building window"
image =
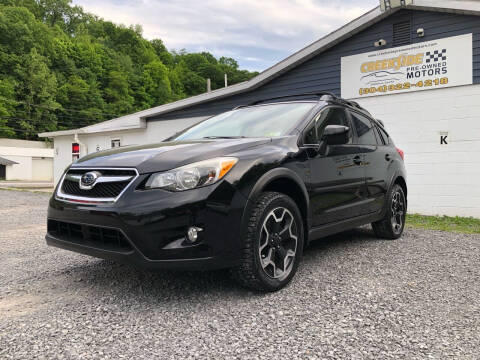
(115, 143)
(402, 33)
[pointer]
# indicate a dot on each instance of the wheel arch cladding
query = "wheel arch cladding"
(401, 181)
(290, 188)
(285, 181)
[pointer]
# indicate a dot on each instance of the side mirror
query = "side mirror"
(335, 135)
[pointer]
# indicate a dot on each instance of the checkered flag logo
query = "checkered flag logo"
(437, 55)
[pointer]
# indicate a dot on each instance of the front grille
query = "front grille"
(108, 190)
(94, 236)
(102, 190)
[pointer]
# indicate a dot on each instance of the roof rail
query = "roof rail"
(320, 95)
(352, 104)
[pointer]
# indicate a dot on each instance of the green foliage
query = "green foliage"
(157, 83)
(37, 86)
(445, 223)
(62, 68)
(7, 108)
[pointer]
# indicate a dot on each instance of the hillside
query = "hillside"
(63, 68)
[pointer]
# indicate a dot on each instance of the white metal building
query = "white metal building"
(25, 160)
(415, 64)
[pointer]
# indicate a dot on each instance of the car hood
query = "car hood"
(167, 155)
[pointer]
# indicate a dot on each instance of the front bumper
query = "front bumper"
(151, 226)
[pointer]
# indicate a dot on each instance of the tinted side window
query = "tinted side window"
(332, 116)
(329, 116)
(384, 135)
(311, 136)
(380, 139)
(364, 129)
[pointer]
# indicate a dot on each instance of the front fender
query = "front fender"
(263, 182)
(274, 174)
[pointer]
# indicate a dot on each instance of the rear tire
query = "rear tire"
(392, 225)
(273, 244)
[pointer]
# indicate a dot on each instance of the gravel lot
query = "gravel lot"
(353, 297)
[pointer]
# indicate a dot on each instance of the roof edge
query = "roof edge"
(5, 161)
(60, 133)
(92, 130)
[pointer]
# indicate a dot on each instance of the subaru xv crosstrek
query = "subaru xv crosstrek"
(246, 190)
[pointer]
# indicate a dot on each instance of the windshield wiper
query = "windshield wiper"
(224, 137)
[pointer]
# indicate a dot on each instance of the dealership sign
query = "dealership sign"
(423, 66)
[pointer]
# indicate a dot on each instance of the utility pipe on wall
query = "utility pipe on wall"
(83, 147)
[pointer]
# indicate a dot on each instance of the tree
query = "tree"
(7, 107)
(192, 83)
(77, 93)
(228, 62)
(157, 83)
(178, 91)
(62, 68)
(59, 12)
(117, 94)
(162, 53)
(36, 90)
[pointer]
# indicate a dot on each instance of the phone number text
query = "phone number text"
(403, 86)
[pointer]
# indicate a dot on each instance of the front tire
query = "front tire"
(392, 225)
(273, 244)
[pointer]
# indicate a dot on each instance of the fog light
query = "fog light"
(192, 233)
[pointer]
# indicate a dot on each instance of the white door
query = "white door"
(42, 169)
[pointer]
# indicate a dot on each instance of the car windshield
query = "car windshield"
(259, 121)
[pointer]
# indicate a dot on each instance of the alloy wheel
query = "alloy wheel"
(398, 211)
(278, 243)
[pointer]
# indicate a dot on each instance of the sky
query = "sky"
(257, 33)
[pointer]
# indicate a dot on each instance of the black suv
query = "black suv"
(247, 190)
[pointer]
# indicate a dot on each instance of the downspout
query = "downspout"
(83, 147)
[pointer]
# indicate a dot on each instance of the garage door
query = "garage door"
(439, 131)
(42, 169)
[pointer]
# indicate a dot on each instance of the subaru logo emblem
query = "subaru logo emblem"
(87, 181)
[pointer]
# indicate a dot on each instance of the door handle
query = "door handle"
(387, 157)
(357, 160)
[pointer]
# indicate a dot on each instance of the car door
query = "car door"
(337, 178)
(377, 159)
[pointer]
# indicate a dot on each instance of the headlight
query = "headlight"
(192, 176)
